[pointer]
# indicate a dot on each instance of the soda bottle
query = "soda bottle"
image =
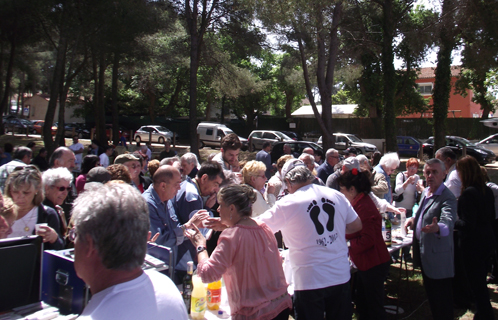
(388, 239)
(187, 285)
(214, 295)
(198, 302)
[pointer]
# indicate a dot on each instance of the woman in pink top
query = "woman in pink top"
(247, 257)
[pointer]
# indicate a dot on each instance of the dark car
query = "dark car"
(18, 124)
(297, 148)
(482, 155)
(80, 129)
(408, 146)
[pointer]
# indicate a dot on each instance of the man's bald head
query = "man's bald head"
(167, 180)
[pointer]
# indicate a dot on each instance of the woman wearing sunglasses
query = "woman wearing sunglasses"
(24, 186)
(57, 183)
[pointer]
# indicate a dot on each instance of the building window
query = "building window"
(425, 88)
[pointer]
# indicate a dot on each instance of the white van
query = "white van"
(210, 134)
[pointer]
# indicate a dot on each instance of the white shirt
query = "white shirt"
(150, 296)
(104, 160)
(453, 182)
(79, 156)
(317, 248)
(29, 220)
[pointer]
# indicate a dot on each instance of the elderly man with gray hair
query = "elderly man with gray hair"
(190, 164)
(110, 243)
(433, 247)
(327, 167)
(314, 221)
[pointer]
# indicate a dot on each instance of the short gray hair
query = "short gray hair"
(116, 217)
(389, 160)
(330, 152)
(52, 176)
(307, 155)
(21, 152)
(190, 158)
(169, 161)
(363, 160)
(58, 153)
(434, 161)
(299, 175)
(446, 152)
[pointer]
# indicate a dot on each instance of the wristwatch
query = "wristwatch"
(200, 249)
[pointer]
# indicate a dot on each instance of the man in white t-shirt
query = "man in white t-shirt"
(78, 149)
(314, 221)
(110, 242)
(104, 157)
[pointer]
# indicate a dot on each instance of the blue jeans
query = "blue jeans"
(334, 302)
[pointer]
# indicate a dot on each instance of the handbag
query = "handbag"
(396, 197)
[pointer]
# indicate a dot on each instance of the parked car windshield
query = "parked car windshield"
(161, 128)
(283, 136)
(354, 138)
(465, 142)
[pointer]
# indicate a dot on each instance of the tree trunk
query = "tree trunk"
(101, 128)
(114, 99)
(194, 66)
(4, 103)
(289, 98)
(56, 85)
(442, 83)
(389, 77)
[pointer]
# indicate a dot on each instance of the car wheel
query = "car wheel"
(202, 145)
(33, 131)
(137, 139)
(80, 135)
(425, 157)
(160, 140)
(253, 147)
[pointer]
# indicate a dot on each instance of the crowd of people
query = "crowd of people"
(232, 218)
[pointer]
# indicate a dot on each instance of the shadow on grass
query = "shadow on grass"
(409, 292)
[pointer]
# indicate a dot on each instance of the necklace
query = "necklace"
(30, 217)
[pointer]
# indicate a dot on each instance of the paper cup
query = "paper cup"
(38, 225)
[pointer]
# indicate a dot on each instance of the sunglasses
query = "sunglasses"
(62, 189)
(27, 167)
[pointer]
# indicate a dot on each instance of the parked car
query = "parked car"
(210, 134)
(294, 136)
(80, 129)
(408, 146)
(482, 155)
(346, 140)
(18, 124)
(258, 137)
(158, 134)
(297, 148)
(38, 126)
(490, 143)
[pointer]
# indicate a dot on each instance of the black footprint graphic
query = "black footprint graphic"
(330, 210)
(314, 211)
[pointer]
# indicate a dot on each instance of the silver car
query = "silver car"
(258, 137)
(490, 143)
(156, 133)
(345, 140)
